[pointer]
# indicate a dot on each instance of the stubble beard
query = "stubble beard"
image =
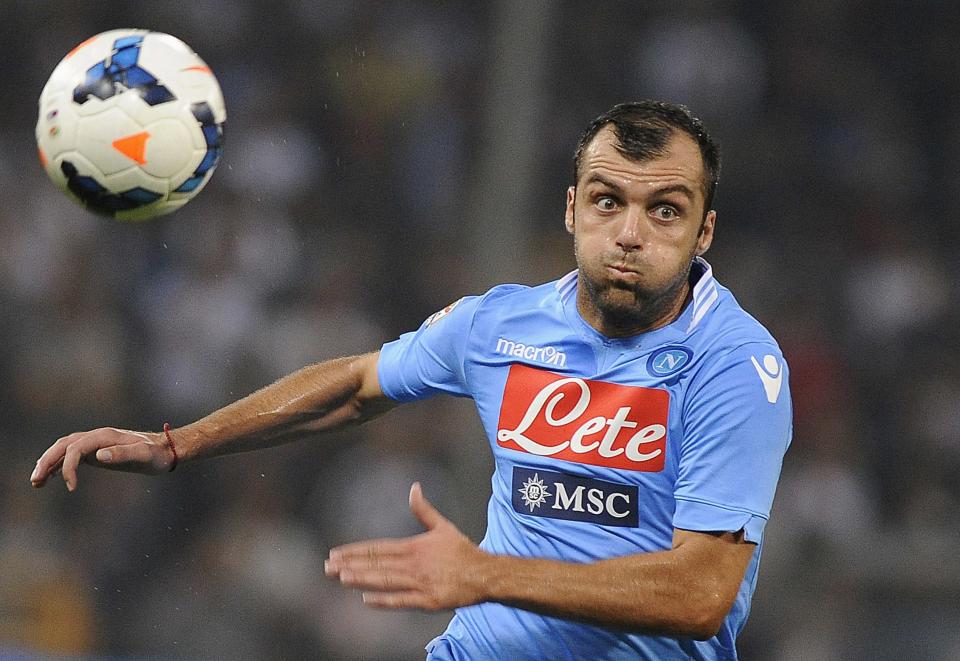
(627, 309)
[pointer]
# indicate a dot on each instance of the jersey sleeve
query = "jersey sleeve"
(737, 427)
(429, 360)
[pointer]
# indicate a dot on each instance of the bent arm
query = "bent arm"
(316, 398)
(686, 591)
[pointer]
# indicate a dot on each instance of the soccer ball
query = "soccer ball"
(131, 124)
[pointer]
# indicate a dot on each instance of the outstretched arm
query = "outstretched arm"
(319, 397)
(685, 591)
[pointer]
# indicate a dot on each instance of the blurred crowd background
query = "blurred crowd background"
(383, 159)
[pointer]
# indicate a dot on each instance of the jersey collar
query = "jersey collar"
(705, 292)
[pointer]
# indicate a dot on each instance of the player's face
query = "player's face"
(636, 227)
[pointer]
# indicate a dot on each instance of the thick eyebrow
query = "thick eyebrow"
(600, 179)
(666, 190)
(676, 188)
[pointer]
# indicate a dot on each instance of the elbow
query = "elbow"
(699, 619)
(704, 629)
(704, 621)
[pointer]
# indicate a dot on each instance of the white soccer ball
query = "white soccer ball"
(131, 124)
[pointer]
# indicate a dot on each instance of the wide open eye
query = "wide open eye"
(665, 212)
(606, 203)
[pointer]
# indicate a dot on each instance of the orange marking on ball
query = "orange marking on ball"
(79, 46)
(43, 157)
(133, 146)
(198, 68)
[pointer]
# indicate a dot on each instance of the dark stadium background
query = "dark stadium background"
(383, 159)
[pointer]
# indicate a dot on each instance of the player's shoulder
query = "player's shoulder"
(467, 306)
(731, 332)
(513, 308)
(462, 314)
(513, 296)
(504, 293)
(737, 353)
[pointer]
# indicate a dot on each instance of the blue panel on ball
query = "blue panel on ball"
(155, 94)
(97, 198)
(211, 133)
(92, 86)
(125, 58)
(202, 112)
(125, 42)
(189, 185)
(141, 195)
(209, 160)
(105, 80)
(95, 74)
(88, 184)
(135, 77)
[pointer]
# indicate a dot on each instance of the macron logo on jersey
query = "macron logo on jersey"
(771, 376)
(583, 421)
(545, 355)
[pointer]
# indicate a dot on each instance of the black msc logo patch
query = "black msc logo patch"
(572, 498)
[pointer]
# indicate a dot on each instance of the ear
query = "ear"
(705, 238)
(568, 216)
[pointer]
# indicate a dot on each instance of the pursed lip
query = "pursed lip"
(622, 268)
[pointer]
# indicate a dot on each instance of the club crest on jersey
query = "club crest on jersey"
(440, 314)
(583, 421)
(668, 360)
(573, 498)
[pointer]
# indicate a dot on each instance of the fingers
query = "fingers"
(426, 513)
(337, 564)
(377, 548)
(82, 447)
(40, 475)
(388, 582)
(369, 569)
(416, 572)
(404, 599)
(105, 447)
(382, 564)
(124, 457)
(388, 577)
(50, 461)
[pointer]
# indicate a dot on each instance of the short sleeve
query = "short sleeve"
(737, 425)
(429, 360)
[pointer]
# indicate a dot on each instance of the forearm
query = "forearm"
(320, 397)
(651, 592)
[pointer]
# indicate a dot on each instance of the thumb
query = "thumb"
(426, 513)
(122, 456)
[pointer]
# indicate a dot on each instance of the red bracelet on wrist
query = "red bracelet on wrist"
(173, 448)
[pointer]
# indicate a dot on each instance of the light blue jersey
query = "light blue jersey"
(604, 446)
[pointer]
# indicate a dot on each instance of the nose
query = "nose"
(630, 232)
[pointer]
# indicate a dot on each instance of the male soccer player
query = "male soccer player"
(637, 415)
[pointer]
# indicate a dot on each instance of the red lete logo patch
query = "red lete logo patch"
(583, 421)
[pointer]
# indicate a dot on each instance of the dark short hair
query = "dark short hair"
(643, 129)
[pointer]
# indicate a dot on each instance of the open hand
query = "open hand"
(117, 449)
(438, 569)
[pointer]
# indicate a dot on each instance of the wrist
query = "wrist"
(487, 576)
(171, 446)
